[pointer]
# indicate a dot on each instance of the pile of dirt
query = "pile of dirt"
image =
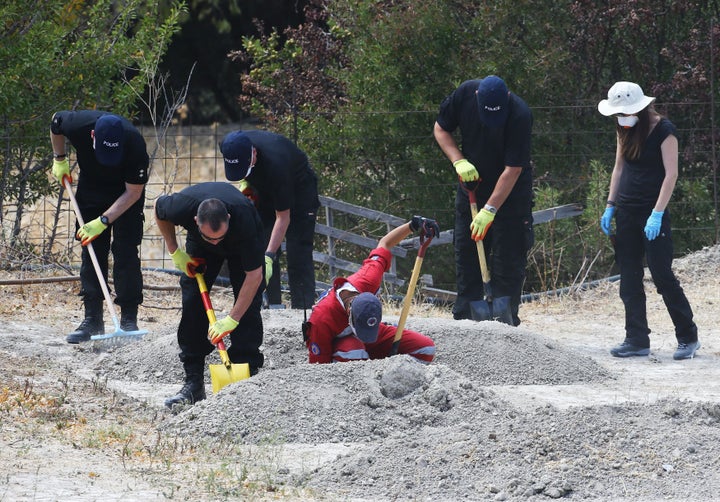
(502, 413)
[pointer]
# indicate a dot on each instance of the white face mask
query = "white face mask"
(630, 121)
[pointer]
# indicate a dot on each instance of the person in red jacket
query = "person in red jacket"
(345, 324)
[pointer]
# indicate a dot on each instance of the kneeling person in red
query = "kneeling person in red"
(346, 323)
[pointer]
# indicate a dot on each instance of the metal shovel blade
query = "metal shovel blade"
(226, 373)
(497, 310)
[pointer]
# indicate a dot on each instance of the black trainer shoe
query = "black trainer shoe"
(192, 392)
(88, 327)
(686, 350)
(627, 349)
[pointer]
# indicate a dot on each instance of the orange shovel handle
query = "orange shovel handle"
(211, 315)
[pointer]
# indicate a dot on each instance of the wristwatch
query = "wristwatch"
(104, 220)
(58, 155)
(490, 208)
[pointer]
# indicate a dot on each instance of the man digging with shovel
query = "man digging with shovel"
(495, 126)
(345, 324)
(221, 224)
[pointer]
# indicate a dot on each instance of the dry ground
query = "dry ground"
(541, 411)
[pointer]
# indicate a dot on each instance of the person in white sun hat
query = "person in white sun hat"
(642, 182)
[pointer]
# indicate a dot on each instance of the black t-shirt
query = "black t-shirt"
(282, 175)
(642, 179)
(94, 178)
(491, 149)
(244, 238)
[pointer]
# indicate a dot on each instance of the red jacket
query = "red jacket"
(329, 318)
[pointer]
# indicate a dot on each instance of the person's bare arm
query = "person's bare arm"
(167, 230)
(247, 293)
(129, 197)
(616, 173)
(395, 236)
(504, 186)
(58, 143)
(282, 221)
(669, 149)
(447, 144)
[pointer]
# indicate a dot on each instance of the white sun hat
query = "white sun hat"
(626, 98)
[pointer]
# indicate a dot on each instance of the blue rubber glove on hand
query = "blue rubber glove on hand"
(60, 169)
(606, 219)
(268, 268)
(465, 170)
(221, 329)
(481, 224)
(90, 231)
(652, 227)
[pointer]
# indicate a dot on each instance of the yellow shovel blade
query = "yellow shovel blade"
(220, 375)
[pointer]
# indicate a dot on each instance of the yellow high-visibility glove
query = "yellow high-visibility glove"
(481, 224)
(60, 169)
(268, 267)
(186, 263)
(91, 230)
(221, 329)
(465, 170)
(248, 191)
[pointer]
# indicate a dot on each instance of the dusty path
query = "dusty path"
(506, 414)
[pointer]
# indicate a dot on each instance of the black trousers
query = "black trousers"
(631, 246)
(245, 340)
(299, 255)
(506, 247)
(126, 233)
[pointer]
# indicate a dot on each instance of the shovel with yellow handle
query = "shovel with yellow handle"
(227, 372)
(424, 243)
(491, 308)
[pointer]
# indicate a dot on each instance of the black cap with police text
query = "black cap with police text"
(493, 99)
(236, 149)
(109, 140)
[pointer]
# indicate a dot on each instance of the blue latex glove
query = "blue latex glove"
(606, 219)
(652, 227)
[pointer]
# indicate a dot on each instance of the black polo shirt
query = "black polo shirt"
(491, 149)
(244, 238)
(282, 175)
(96, 179)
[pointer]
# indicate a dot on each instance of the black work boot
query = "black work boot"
(192, 392)
(128, 318)
(93, 323)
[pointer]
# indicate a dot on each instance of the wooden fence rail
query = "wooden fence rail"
(332, 206)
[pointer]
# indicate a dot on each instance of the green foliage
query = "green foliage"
(574, 250)
(693, 218)
(392, 62)
(68, 55)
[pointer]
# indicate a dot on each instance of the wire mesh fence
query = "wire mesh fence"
(572, 146)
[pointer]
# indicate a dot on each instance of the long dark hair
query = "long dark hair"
(632, 139)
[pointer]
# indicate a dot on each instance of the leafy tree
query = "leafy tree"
(67, 55)
(393, 61)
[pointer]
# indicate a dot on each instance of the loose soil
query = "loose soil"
(534, 412)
